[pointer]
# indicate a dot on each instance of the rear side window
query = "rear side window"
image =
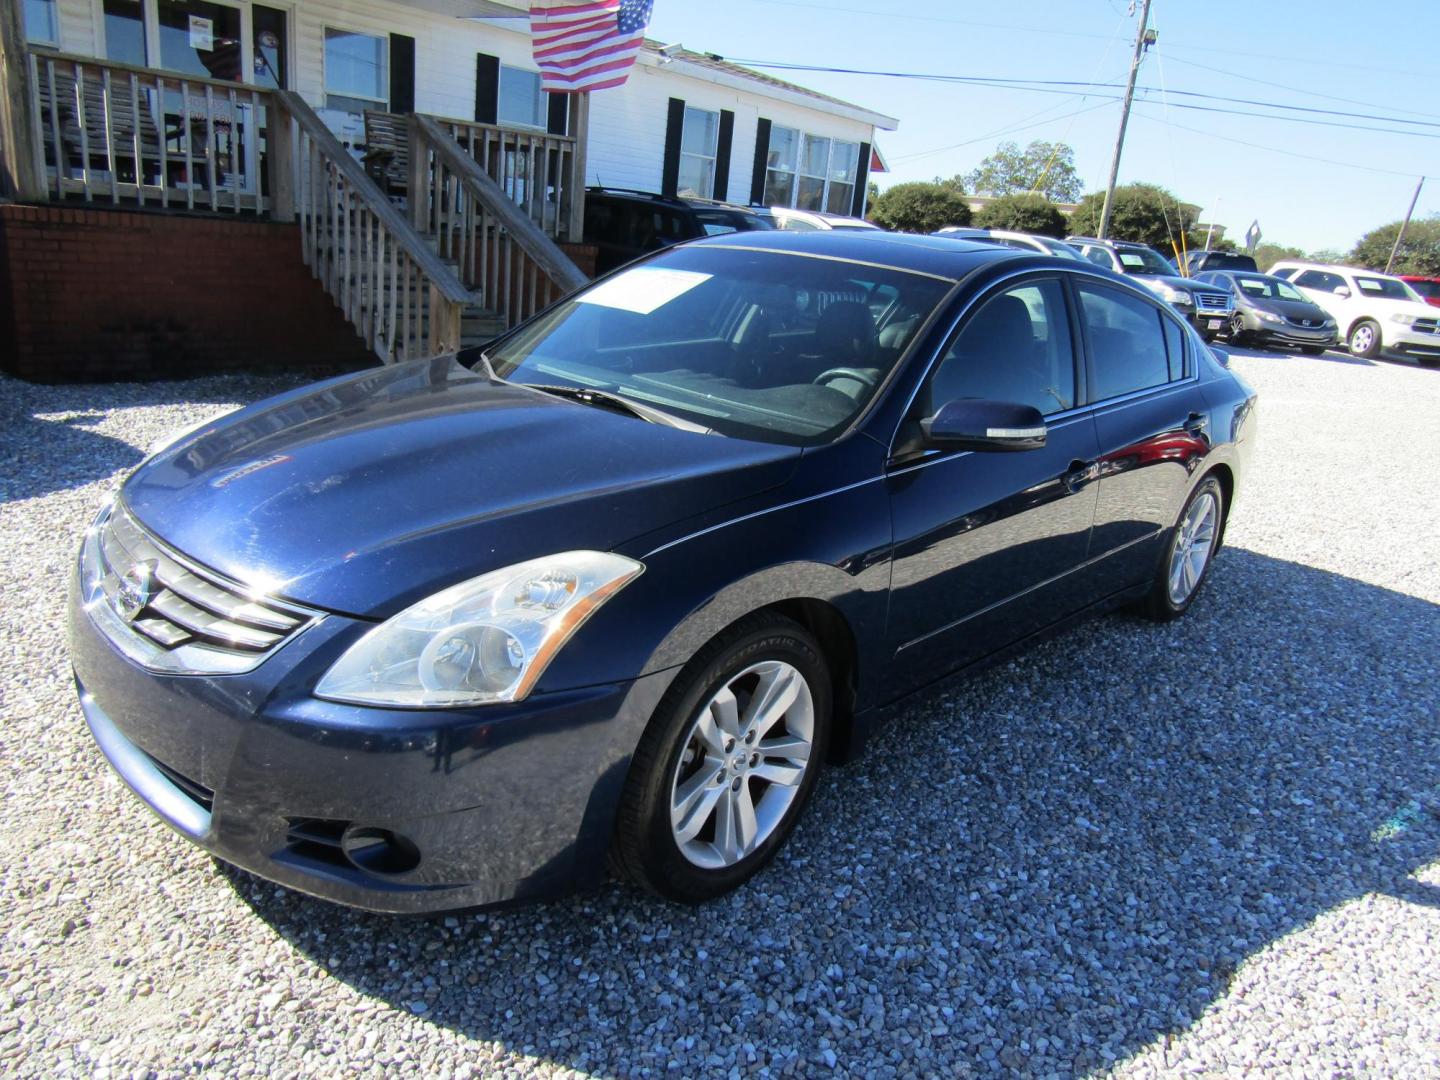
(1174, 347)
(1129, 350)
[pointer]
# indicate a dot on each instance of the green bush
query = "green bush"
(919, 208)
(1029, 213)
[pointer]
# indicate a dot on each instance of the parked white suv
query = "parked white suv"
(1375, 311)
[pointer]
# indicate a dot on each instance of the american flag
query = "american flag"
(586, 44)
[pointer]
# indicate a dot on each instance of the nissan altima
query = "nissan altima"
(612, 592)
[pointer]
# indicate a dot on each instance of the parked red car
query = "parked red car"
(1427, 287)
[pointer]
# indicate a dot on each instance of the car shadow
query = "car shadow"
(1078, 862)
(1336, 355)
(51, 438)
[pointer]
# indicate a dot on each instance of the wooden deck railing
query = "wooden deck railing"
(110, 132)
(502, 251)
(398, 293)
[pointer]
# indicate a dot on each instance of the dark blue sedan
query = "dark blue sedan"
(467, 630)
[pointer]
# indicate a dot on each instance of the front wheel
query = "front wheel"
(727, 764)
(1364, 339)
(1237, 332)
(1188, 553)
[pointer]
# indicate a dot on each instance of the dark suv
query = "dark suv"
(625, 224)
(1199, 262)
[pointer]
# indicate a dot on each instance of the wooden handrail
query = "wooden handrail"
(540, 248)
(441, 275)
(498, 129)
(150, 72)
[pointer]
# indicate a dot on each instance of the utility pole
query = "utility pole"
(1143, 39)
(1400, 239)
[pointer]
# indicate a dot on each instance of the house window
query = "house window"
(42, 22)
(521, 102)
(125, 32)
(780, 166)
(200, 38)
(698, 141)
(355, 71)
(810, 172)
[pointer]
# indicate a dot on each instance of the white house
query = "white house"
(684, 121)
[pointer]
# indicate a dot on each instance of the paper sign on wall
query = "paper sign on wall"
(202, 33)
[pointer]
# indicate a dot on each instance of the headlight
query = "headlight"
(1330, 323)
(1403, 319)
(1176, 296)
(485, 640)
(1269, 316)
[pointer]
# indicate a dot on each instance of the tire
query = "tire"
(1312, 350)
(1236, 329)
(1364, 339)
(670, 832)
(1170, 595)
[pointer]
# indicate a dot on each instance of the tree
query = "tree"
(1029, 213)
(955, 183)
(1267, 255)
(1145, 213)
(1044, 167)
(919, 208)
(1419, 254)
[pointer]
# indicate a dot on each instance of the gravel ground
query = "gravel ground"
(1206, 847)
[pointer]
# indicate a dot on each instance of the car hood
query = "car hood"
(367, 493)
(1290, 309)
(1176, 282)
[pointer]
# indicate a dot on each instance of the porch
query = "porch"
(429, 232)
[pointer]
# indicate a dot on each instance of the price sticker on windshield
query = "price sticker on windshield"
(643, 289)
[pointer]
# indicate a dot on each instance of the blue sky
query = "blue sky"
(1377, 58)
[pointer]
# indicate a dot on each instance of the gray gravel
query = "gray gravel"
(1207, 847)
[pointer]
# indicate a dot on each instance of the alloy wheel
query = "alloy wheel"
(745, 756)
(1194, 544)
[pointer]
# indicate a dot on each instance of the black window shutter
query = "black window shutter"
(487, 89)
(722, 154)
(402, 74)
(674, 129)
(862, 177)
(762, 157)
(557, 119)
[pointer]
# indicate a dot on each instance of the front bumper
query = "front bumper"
(1208, 322)
(1410, 342)
(1288, 334)
(498, 804)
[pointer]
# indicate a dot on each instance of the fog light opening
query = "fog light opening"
(379, 851)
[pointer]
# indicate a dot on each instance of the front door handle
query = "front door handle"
(1197, 423)
(1080, 474)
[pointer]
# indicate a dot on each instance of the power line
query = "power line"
(1050, 85)
(1000, 132)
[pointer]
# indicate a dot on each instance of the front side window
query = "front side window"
(762, 345)
(1128, 350)
(42, 22)
(356, 77)
(1016, 347)
(521, 102)
(698, 141)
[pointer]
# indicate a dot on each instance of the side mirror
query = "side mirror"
(984, 425)
(1343, 292)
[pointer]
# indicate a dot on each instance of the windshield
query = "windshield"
(1143, 261)
(1383, 288)
(715, 222)
(753, 344)
(1267, 288)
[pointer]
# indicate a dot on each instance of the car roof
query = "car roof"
(939, 256)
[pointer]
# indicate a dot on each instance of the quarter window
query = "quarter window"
(698, 141)
(1128, 342)
(1015, 348)
(355, 71)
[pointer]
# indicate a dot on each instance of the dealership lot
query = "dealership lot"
(1212, 844)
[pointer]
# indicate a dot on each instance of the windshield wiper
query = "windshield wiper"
(606, 399)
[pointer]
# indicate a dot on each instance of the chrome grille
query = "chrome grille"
(171, 615)
(1309, 324)
(1426, 326)
(1212, 301)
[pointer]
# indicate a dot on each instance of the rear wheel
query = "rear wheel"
(727, 764)
(1187, 555)
(1364, 339)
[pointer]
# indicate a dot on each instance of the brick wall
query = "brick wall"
(106, 294)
